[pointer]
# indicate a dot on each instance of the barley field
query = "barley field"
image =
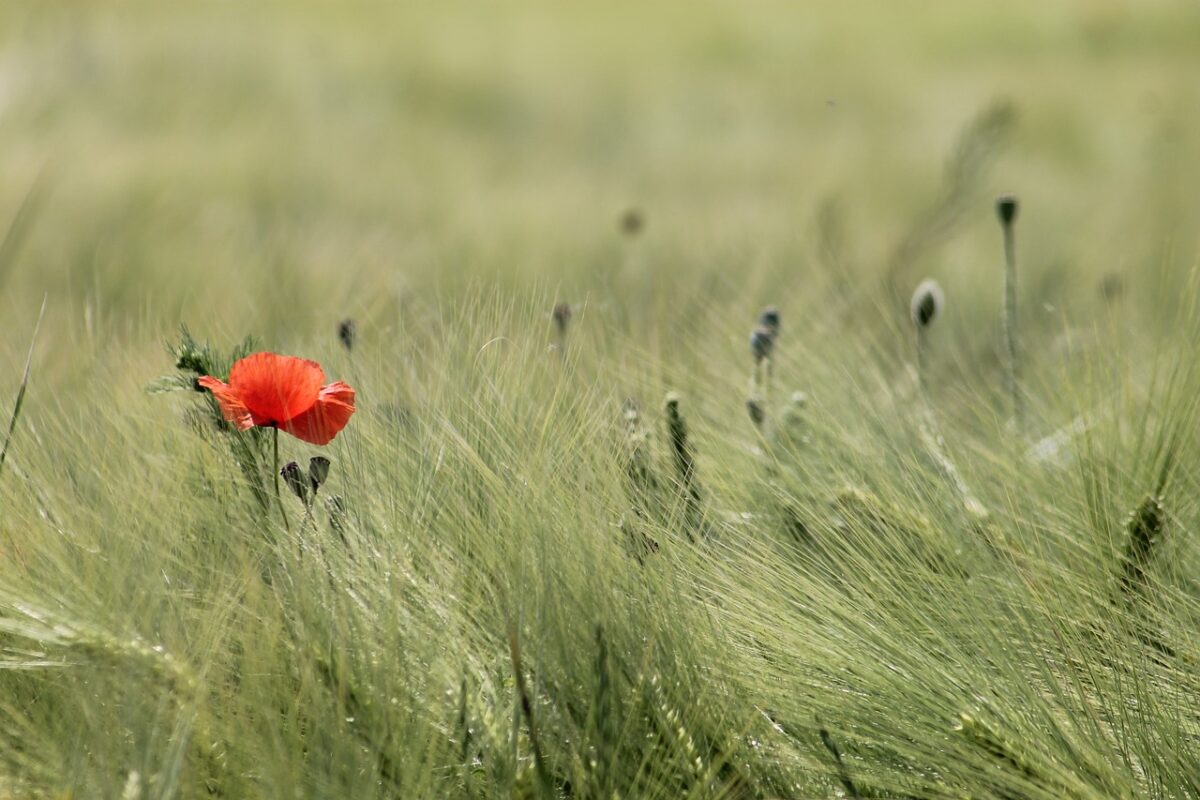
(727, 400)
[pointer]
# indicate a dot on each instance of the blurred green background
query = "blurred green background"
(271, 168)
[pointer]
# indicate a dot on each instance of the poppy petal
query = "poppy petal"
(276, 388)
(232, 408)
(327, 416)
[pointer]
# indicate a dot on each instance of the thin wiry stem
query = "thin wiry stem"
(526, 702)
(685, 467)
(931, 435)
(843, 773)
(12, 421)
(1010, 321)
(922, 358)
(275, 469)
(309, 502)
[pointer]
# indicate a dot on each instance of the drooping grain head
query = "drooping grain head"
(338, 515)
(1146, 528)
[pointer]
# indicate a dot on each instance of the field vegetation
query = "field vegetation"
(601, 526)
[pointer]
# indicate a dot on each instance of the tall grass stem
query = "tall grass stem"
(20, 401)
(1010, 315)
(275, 470)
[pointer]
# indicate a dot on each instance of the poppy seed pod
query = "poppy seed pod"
(762, 342)
(1006, 208)
(926, 303)
(769, 319)
(293, 476)
(347, 333)
(318, 471)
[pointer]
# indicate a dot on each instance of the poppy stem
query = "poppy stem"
(278, 496)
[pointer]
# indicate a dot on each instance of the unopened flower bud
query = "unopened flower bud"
(632, 222)
(769, 319)
(562, 317)
(755, 409)
(926, 303)
(1006, 208)
(347, 333)
(761, 343)
(318, 471)
(293, 476)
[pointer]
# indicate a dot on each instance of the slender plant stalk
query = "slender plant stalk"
(275, 470)
(922, 367)
(16, 412)
(685, 468)
(308, 516)
(843, 773)
(926, 305)
(539, 762)
(464, 727)
(1010, 318)
(1007, 210)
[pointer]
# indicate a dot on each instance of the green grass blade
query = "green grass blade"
(16, 412)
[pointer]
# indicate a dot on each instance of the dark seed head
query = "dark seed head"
(347, 333)
(318, 471)
(762, 342)
(562, 317)
(755, 410)
(769, 319)
(632, 222)
(1112, 286)
(293, 476)
(1006, 208)
(926, 303)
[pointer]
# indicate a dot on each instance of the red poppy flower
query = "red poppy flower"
(274, 391)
